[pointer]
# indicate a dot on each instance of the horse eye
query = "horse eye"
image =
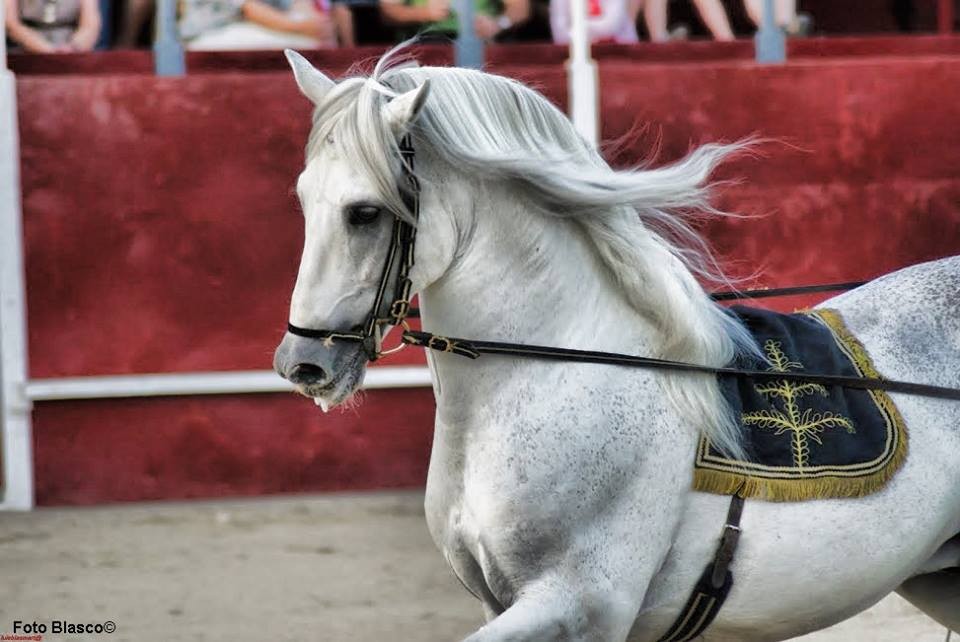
(362, 214)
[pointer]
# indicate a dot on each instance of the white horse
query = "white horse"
(560, 493)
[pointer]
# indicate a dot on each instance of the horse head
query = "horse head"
(352, 202)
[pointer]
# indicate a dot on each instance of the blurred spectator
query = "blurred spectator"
(712, 13)
(607, 20)
(491, 18)
(785, 15)
(53, 26)
(136, 13)
(359, 22)
(904, 14)
(219, 25)
(343, 24)
(535, 29)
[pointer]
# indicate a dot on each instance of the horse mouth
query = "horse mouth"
(344, 384)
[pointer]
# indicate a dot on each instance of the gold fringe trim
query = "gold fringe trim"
(826, 487)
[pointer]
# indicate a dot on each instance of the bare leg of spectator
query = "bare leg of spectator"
(785, 12)
(343, 23)
(715, 17)
(135, 15)
(905, 13)
(306, 22)
(655, 17)
(633, 9)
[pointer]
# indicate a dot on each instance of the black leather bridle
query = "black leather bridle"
(396, 270)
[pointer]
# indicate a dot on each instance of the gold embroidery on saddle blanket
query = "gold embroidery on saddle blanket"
(805, 440)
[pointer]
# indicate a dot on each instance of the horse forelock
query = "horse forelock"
(495, 128)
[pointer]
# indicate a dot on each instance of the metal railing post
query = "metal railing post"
(16, 452)
(168, 57)
(770, 40)
(582, 77)
(468, 50)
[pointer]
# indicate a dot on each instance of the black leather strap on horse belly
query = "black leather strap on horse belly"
(714, 584)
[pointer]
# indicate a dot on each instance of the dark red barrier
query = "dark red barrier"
(162, 236)
(92, 452)
(858, 179)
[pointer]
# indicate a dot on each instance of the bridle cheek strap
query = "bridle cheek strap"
(396, 269)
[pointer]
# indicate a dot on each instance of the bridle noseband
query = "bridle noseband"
(396, 267)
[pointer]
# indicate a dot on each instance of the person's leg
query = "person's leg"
(715, 17)
(905, 14)
(135, 15)
(247, 35)
(343, 22)
(786, 12)
(106, 25)
(655, 17)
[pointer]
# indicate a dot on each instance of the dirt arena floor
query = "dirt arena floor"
(351, 567)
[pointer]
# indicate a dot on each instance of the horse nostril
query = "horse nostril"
(307, 374)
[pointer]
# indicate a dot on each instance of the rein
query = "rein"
(394, 312)
(473, 350)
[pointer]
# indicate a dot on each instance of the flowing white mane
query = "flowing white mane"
(497, 129)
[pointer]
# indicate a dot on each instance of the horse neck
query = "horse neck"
(522, 276)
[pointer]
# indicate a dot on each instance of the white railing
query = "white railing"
(582, 78)
(16, 458)
(202, 383)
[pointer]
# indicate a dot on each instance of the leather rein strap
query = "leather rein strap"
(473, 350)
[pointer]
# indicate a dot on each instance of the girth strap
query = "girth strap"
(714, 584)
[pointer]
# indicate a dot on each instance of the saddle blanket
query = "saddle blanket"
(804, 440)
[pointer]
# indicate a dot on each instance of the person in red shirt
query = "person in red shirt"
(607, 20)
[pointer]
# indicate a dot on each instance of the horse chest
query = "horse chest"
(457, 533)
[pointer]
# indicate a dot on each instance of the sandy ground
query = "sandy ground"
(344, 567)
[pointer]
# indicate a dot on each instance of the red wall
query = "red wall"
(162, 236)
(90, 452)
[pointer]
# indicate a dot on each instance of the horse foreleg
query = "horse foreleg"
(936, 594)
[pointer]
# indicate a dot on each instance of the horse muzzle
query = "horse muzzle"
(328, 371)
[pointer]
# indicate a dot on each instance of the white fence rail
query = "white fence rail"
(16, 458)
(202, 383)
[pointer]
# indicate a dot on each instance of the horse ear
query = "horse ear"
(312, 82)
(403, 110)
